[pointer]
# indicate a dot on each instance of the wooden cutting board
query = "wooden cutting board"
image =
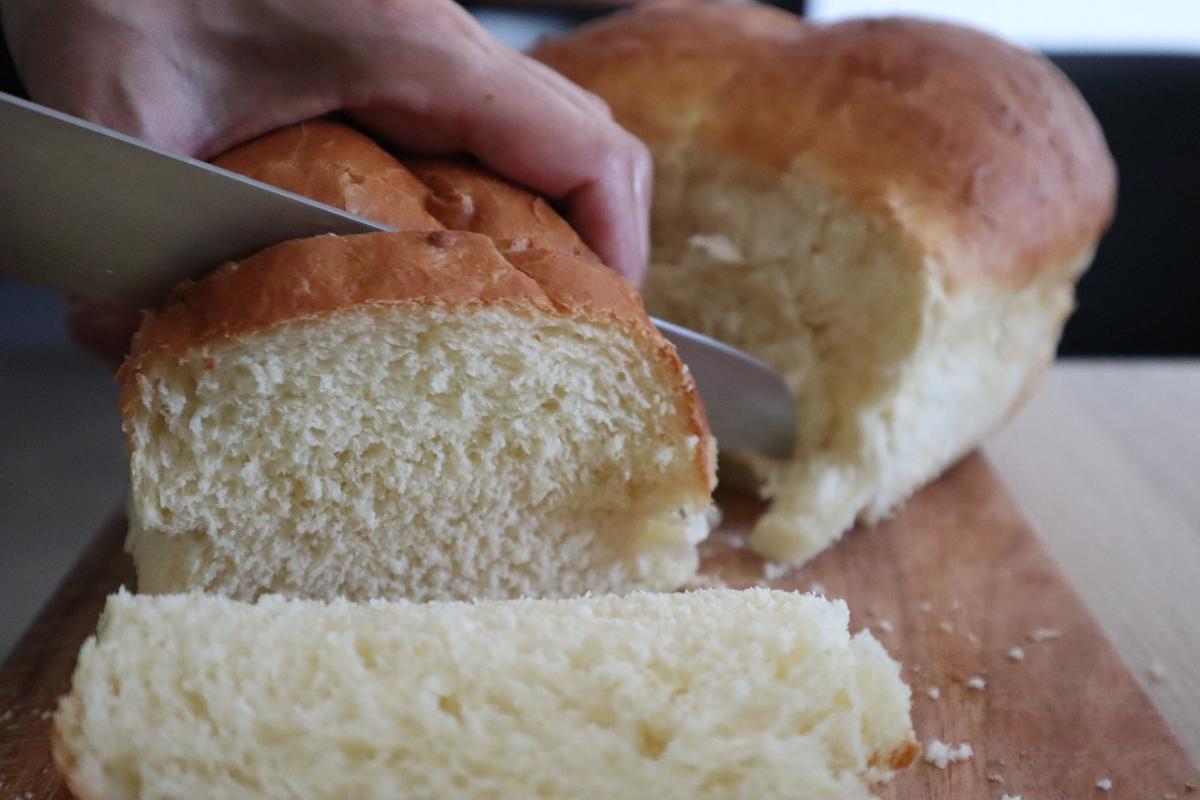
(950, 586)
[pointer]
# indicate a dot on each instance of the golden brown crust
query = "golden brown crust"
(904, 755)
(984, 153)
(337, 165)
(464, 197)
(306, 278)
(340, 166)
(513, 249)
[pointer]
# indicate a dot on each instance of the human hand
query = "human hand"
(199, 78)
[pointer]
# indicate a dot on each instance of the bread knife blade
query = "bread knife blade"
(101, 215)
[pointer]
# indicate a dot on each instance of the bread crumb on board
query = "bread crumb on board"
(1012, 797)
(925, 606)
(1045, 634)
(885, 625)
(1104, 785)
(995, 778)
(1156, 672)
(773, 571)
(933, 692)
(946, 626)
(942, 755)
(1017, 654)
(977, 683)
(817, 589)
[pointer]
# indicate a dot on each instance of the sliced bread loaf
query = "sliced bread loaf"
(713, 694)
(422, 414)
(891, 212)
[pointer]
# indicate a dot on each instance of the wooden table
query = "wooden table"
(1101, 462)
(1104, 461)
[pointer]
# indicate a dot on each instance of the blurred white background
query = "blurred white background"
(1057, 25)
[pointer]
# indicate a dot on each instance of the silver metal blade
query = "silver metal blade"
(93, 212)
(96, 213)
(749, 405)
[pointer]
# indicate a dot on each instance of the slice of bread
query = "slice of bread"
(426, 414)
(891, 212)
(710, 694)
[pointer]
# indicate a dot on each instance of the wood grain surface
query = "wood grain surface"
(1104, 462)
(950, 586)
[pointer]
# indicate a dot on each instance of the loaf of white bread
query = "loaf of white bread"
(471, 407)
(711, 694)
(892, 212)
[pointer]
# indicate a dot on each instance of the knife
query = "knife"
(99, 214)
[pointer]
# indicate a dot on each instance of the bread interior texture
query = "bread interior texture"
(894, 378)
(725, 694)
(414, 450)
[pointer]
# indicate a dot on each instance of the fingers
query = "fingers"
(537, 128)
(543, 136)
(103, 329)
(612, 214)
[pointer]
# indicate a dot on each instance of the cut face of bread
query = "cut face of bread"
(422, 445)
(408, 451)
(713, 694)
(891, 212)
(894, 378)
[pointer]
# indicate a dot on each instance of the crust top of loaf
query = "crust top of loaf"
(465, 238)
(985, 153)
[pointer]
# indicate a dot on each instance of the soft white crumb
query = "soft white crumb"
(736, 541)
(954, 605)
(1156, 671)
(972, 638)
(977, 683)
(1045, 634)
(1104, 785)
(1170, 796)
(1017, 654)
(946, 626)
(817, 589)
(942, 755)
(916, 668)
(885, 625)
(773, 571)
(1012, 797)
(995, 778)
(933, 692)
(925, 606)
